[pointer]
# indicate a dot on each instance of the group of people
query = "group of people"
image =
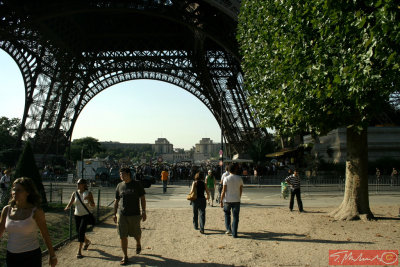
(24, 215)
(129, 210)
(394, 176)
(231, 193)
(232, 188)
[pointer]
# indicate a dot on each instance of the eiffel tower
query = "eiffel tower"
(69, 51)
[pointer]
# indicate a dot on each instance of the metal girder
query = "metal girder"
(70, 51)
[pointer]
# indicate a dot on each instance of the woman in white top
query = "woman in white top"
(81, 215)
(20, 219)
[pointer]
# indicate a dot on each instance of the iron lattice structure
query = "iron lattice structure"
(69, 51)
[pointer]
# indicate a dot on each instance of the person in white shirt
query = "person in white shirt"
(21, 219)
(5, 179)
(220, 185)
(230, 199)
(225, 174)
(81, 215)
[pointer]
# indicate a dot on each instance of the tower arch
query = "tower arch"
(69, 51)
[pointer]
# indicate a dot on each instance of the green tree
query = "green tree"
(90, 147)
(312, 66)
(26, 167)
(8, 132)
(8, 138)
(9, 157)
(42, 140)
(259, 148)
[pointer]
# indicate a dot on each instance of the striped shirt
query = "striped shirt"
(294, 181)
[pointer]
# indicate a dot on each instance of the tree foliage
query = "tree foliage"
(133, 153)
(42, 140)
(8, 132)
(317, 65)
(259, 148)
(312, 66)
(89, 145)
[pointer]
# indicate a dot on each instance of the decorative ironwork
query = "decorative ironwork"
(69, 51)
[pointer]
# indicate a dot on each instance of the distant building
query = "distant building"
(178, 156)
(206, 149)
(382, 142)
(162, 146)
(116, 145)
(165, 151)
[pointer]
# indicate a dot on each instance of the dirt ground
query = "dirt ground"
(267, 237)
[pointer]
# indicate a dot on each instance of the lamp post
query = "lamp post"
(82, 162)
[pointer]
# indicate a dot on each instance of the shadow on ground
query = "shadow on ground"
(247, 204)
(387, 219)
(156, 260)
(292, 237)
(152, 260)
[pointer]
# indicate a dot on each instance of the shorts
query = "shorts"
(129, 226)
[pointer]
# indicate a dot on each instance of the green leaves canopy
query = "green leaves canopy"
(316, 65)
(90, 147)
(8, 132)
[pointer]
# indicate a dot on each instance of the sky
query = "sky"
(138, 111)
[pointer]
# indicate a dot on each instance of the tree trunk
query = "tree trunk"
(355, 204)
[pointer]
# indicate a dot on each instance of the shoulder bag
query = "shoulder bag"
(192, 196)
(91, 219)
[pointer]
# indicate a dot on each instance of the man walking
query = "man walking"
(230, 199)
(164, 179)
(294, 182)
(127, 196)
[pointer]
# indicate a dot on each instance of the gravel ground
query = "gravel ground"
(267, 237)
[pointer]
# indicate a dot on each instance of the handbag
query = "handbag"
(192, 196)
(91, 218)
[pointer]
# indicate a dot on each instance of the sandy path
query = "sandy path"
(267, 237)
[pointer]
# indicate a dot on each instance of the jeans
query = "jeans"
(235, 207)
(164, 183)
(298, 197)
(199, 205)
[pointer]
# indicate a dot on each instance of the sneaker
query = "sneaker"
(228, 232)
(202, 232)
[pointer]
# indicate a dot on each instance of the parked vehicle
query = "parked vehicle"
(89, 169)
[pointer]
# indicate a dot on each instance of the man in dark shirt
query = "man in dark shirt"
(294, 182)
(127, 195)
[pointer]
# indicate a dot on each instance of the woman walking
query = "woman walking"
(200, 203)
(20, 219)
(81, 215)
